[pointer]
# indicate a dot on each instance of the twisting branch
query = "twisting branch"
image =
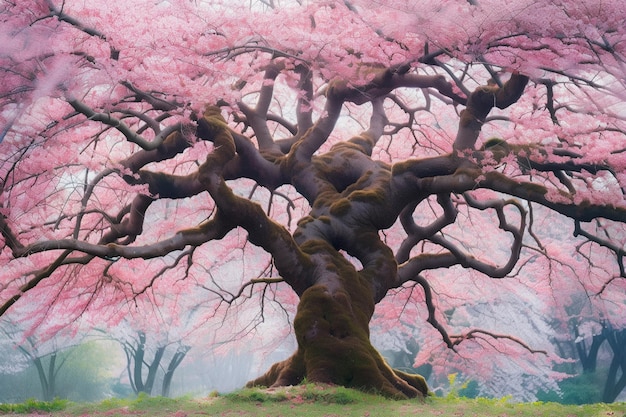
(417, 233)
(480, 103)
(517, 232)
(455, 255)
(430, 306)
(237, 211)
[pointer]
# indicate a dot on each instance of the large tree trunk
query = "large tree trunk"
(332, 330)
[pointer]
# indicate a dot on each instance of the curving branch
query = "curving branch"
(150, 98)
(499, 206)
(417, 233)
(455, 255)
(389, 79)
(539, 194)
(213, 229)
(290, 260)
(480, 103)
(430, 306)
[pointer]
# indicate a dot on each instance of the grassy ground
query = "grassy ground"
(307, 401)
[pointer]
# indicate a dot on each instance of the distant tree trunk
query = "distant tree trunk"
(332, 330)
(46, 392)
(178, 357)
(135, 357)
(616, 378)
(47, 377)
(589, 356)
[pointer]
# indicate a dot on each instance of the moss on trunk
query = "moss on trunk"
(332, 329)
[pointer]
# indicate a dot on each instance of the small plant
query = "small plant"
(454, 386)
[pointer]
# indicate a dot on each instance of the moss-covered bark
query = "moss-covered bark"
(332, 329)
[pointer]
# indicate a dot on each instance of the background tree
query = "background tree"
(598, 348)
(47, 358)
(67, 365)
(143, 363)
(351, 142)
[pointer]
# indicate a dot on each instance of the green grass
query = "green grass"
(33, 405)
(307, 401)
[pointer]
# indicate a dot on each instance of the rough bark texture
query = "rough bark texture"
(332, 330)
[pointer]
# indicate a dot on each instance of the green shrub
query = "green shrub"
(578, 390)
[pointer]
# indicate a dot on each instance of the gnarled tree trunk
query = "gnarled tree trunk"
(332, 330)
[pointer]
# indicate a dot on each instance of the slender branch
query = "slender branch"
(63, 17)
(148, 97)
(109, 120)
(619, 251)
(430, 305)
(215, 228)
(479, 334)
(32, 283)
(417, 233)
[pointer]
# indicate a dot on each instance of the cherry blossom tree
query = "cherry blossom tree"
(342, 151)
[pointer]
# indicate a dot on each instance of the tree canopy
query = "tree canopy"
(429, 153)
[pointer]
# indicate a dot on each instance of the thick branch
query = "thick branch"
(304, 107)
(467, 179)
(257, 117)
(391, 78)
(174, 144)
(584, 212)
(210, 230)
(480, 103)
(290, 261)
